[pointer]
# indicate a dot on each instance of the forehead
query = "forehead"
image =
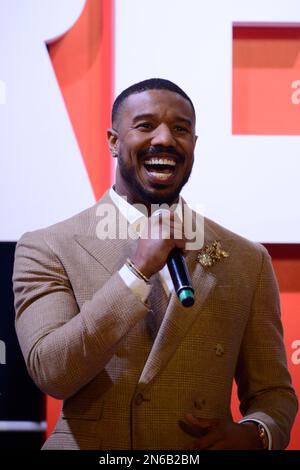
(160, 103)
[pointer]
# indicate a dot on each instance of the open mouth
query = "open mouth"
(160, 169)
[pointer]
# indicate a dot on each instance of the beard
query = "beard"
(149, 197)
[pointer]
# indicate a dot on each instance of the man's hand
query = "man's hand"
(222, 434)
(160, 235)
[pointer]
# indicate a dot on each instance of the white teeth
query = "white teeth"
(160, 161)
(162, 176)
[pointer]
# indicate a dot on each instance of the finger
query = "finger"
(211, 440)
(156, 229)
(179, 245)
(176, 231)
(190, 429)
(177, 235)
(173, 222)
(200, 422)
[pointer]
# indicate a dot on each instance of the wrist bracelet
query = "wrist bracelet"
(136, 271)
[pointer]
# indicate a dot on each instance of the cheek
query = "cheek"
(126, 151)
(189, 152)
(188, 146)
(137, 141)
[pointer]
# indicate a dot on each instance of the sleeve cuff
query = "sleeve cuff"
(264, 425)
(139, 288)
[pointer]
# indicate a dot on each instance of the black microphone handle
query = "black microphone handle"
(180, 277)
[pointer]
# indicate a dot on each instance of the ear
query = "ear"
(113, 142)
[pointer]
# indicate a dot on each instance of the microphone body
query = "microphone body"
(180, 277)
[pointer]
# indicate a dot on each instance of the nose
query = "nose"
(162, 135)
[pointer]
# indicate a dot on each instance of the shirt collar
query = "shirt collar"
(130, 212)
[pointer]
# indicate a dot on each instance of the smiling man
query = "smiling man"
(101, 327)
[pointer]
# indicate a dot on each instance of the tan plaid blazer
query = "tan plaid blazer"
(85, 340)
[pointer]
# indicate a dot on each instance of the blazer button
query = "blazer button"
(199, 403)
(139, 399)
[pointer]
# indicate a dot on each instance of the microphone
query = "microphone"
(179, 274)
(180, 277)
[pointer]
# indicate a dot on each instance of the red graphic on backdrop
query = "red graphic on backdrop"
(83, 62)
(266, 81)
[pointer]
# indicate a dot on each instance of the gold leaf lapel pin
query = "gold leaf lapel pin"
(212, 253)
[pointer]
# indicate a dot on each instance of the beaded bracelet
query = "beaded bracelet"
(136, 271)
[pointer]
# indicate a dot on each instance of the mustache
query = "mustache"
(160, 149)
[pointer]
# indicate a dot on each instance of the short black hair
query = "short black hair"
(149, 84)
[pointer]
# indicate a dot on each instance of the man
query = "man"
(100, 325)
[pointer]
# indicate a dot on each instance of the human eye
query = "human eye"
(180, 129)
(144, 126)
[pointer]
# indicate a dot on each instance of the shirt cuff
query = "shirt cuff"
(139, 287)
(245, 420)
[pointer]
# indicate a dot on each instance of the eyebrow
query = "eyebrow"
(140, 117)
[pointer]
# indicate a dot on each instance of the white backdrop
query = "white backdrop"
(42, 175)
(247, 183)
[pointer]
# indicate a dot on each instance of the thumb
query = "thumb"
(200, 422)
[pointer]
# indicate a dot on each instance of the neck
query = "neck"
(135, 200)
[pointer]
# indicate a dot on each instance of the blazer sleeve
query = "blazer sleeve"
(263, 380)
(64, 347)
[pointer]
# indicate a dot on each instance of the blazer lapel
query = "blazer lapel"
(113, 253)
(177, 321)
